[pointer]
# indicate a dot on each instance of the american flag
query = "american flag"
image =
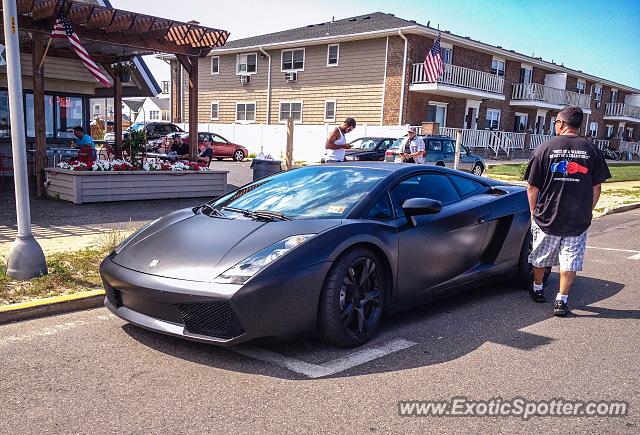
(63, 29)
(433, 65)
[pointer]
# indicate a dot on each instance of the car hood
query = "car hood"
(199, 247)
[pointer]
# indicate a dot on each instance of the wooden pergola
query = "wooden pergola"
(110, 36)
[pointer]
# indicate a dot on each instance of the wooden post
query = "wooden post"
(117, 115)
(38, 110)
(191, 65)
(289, 162)
(458, 143)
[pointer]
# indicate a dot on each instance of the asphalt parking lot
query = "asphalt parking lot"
(90, 372)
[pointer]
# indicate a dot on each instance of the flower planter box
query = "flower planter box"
(101, 186)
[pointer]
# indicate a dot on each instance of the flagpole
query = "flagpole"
(26, 259)
(46, 50)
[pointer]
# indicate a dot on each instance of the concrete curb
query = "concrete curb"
(51, 306)
(620, 209)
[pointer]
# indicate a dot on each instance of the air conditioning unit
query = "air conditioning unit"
(291, 76)
(597, 104)
(244, 79)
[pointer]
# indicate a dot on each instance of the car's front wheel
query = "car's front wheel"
(238, 155)
(477, 169)
(352, 299)
(525, 269)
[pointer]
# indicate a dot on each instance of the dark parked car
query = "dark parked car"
(326, 249)
(368, 148)
(154, 131)
(441, 151)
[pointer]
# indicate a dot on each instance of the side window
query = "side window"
(175, 129)
(381, 209)
(385, 144)
(466, 186)
(449, 147)
(217, 138)
(435, 145)
(433, 186)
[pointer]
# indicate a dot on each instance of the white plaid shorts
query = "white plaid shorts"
(566, 251)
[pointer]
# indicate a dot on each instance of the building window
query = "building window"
(165, 115)
(96, 110)
(246, 63)
(333, 52)
(521, 122)
(291, 109)
(593, 129)
(68, 113)
(165, 86)
(330, 110)
(215, 65)
(597, 91)
(293, 60)
(614, 96)
(246, 112)
(154, 114)
(447, 55)
(29, 116)
(609, 134)
(492, 121)
(214, 110)
(437, 112)
(581, 86)
(526, 74)
(497, 67)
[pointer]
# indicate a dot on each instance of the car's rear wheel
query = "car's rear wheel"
(525, 269)
(352, 299)
(238, 155)
(478, 169)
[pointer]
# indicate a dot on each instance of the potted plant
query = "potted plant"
(124, 69)
(133, 147)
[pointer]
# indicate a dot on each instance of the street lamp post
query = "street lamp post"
(26, 259)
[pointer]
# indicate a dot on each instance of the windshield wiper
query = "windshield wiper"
(259, 214)
(213, 212)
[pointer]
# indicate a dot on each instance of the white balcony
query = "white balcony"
(621, 112)
(537, 96)
(458, 82)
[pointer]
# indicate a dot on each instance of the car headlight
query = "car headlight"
(241, 272)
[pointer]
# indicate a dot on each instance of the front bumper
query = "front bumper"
(221, 314)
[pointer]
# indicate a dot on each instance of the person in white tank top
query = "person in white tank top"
(337, 142)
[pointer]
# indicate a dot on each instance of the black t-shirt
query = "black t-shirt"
(180, 149)
(565, 169)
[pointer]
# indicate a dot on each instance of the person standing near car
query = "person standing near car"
(337, 142)
(564, 179)
(413, 147)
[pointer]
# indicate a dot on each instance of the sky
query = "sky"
(601, 38)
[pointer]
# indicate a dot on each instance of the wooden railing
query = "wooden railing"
(538, 92)
(496, 140)
(462, 77)
(621, 109)
(537, 139)
(602, 144)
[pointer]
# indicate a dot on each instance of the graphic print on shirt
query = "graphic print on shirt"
(567, 166)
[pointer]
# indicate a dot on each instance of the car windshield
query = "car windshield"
(137, 126)
(396, 145)
(364, 144)
(311, 192)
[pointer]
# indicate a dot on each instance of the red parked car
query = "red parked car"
(222, 148)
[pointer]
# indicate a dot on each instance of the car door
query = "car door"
(441, 246)
(448, 153)
(221, 146)
(434, 151)
(466, 160)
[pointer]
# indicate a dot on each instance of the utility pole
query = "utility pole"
(26, 259)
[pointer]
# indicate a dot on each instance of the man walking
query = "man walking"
(564, 177)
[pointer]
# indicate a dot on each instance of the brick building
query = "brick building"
(370, 67)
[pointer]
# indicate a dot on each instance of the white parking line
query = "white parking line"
(329, 368)
(633, 257)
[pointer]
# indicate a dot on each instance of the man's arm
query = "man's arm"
(596, 195)
(331, 142)
(532, 194)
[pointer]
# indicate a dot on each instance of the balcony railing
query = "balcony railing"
(546, 94)
(620, 109)
(462, 77)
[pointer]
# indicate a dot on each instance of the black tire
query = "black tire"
(525, 269)
(440, 164)
(478, 169)
(238, 155)
(355, 280)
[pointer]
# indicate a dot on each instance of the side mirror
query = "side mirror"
(418, 207)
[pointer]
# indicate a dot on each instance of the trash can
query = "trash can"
(264, 168)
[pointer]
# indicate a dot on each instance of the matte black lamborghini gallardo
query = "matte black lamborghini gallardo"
(326, 249)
